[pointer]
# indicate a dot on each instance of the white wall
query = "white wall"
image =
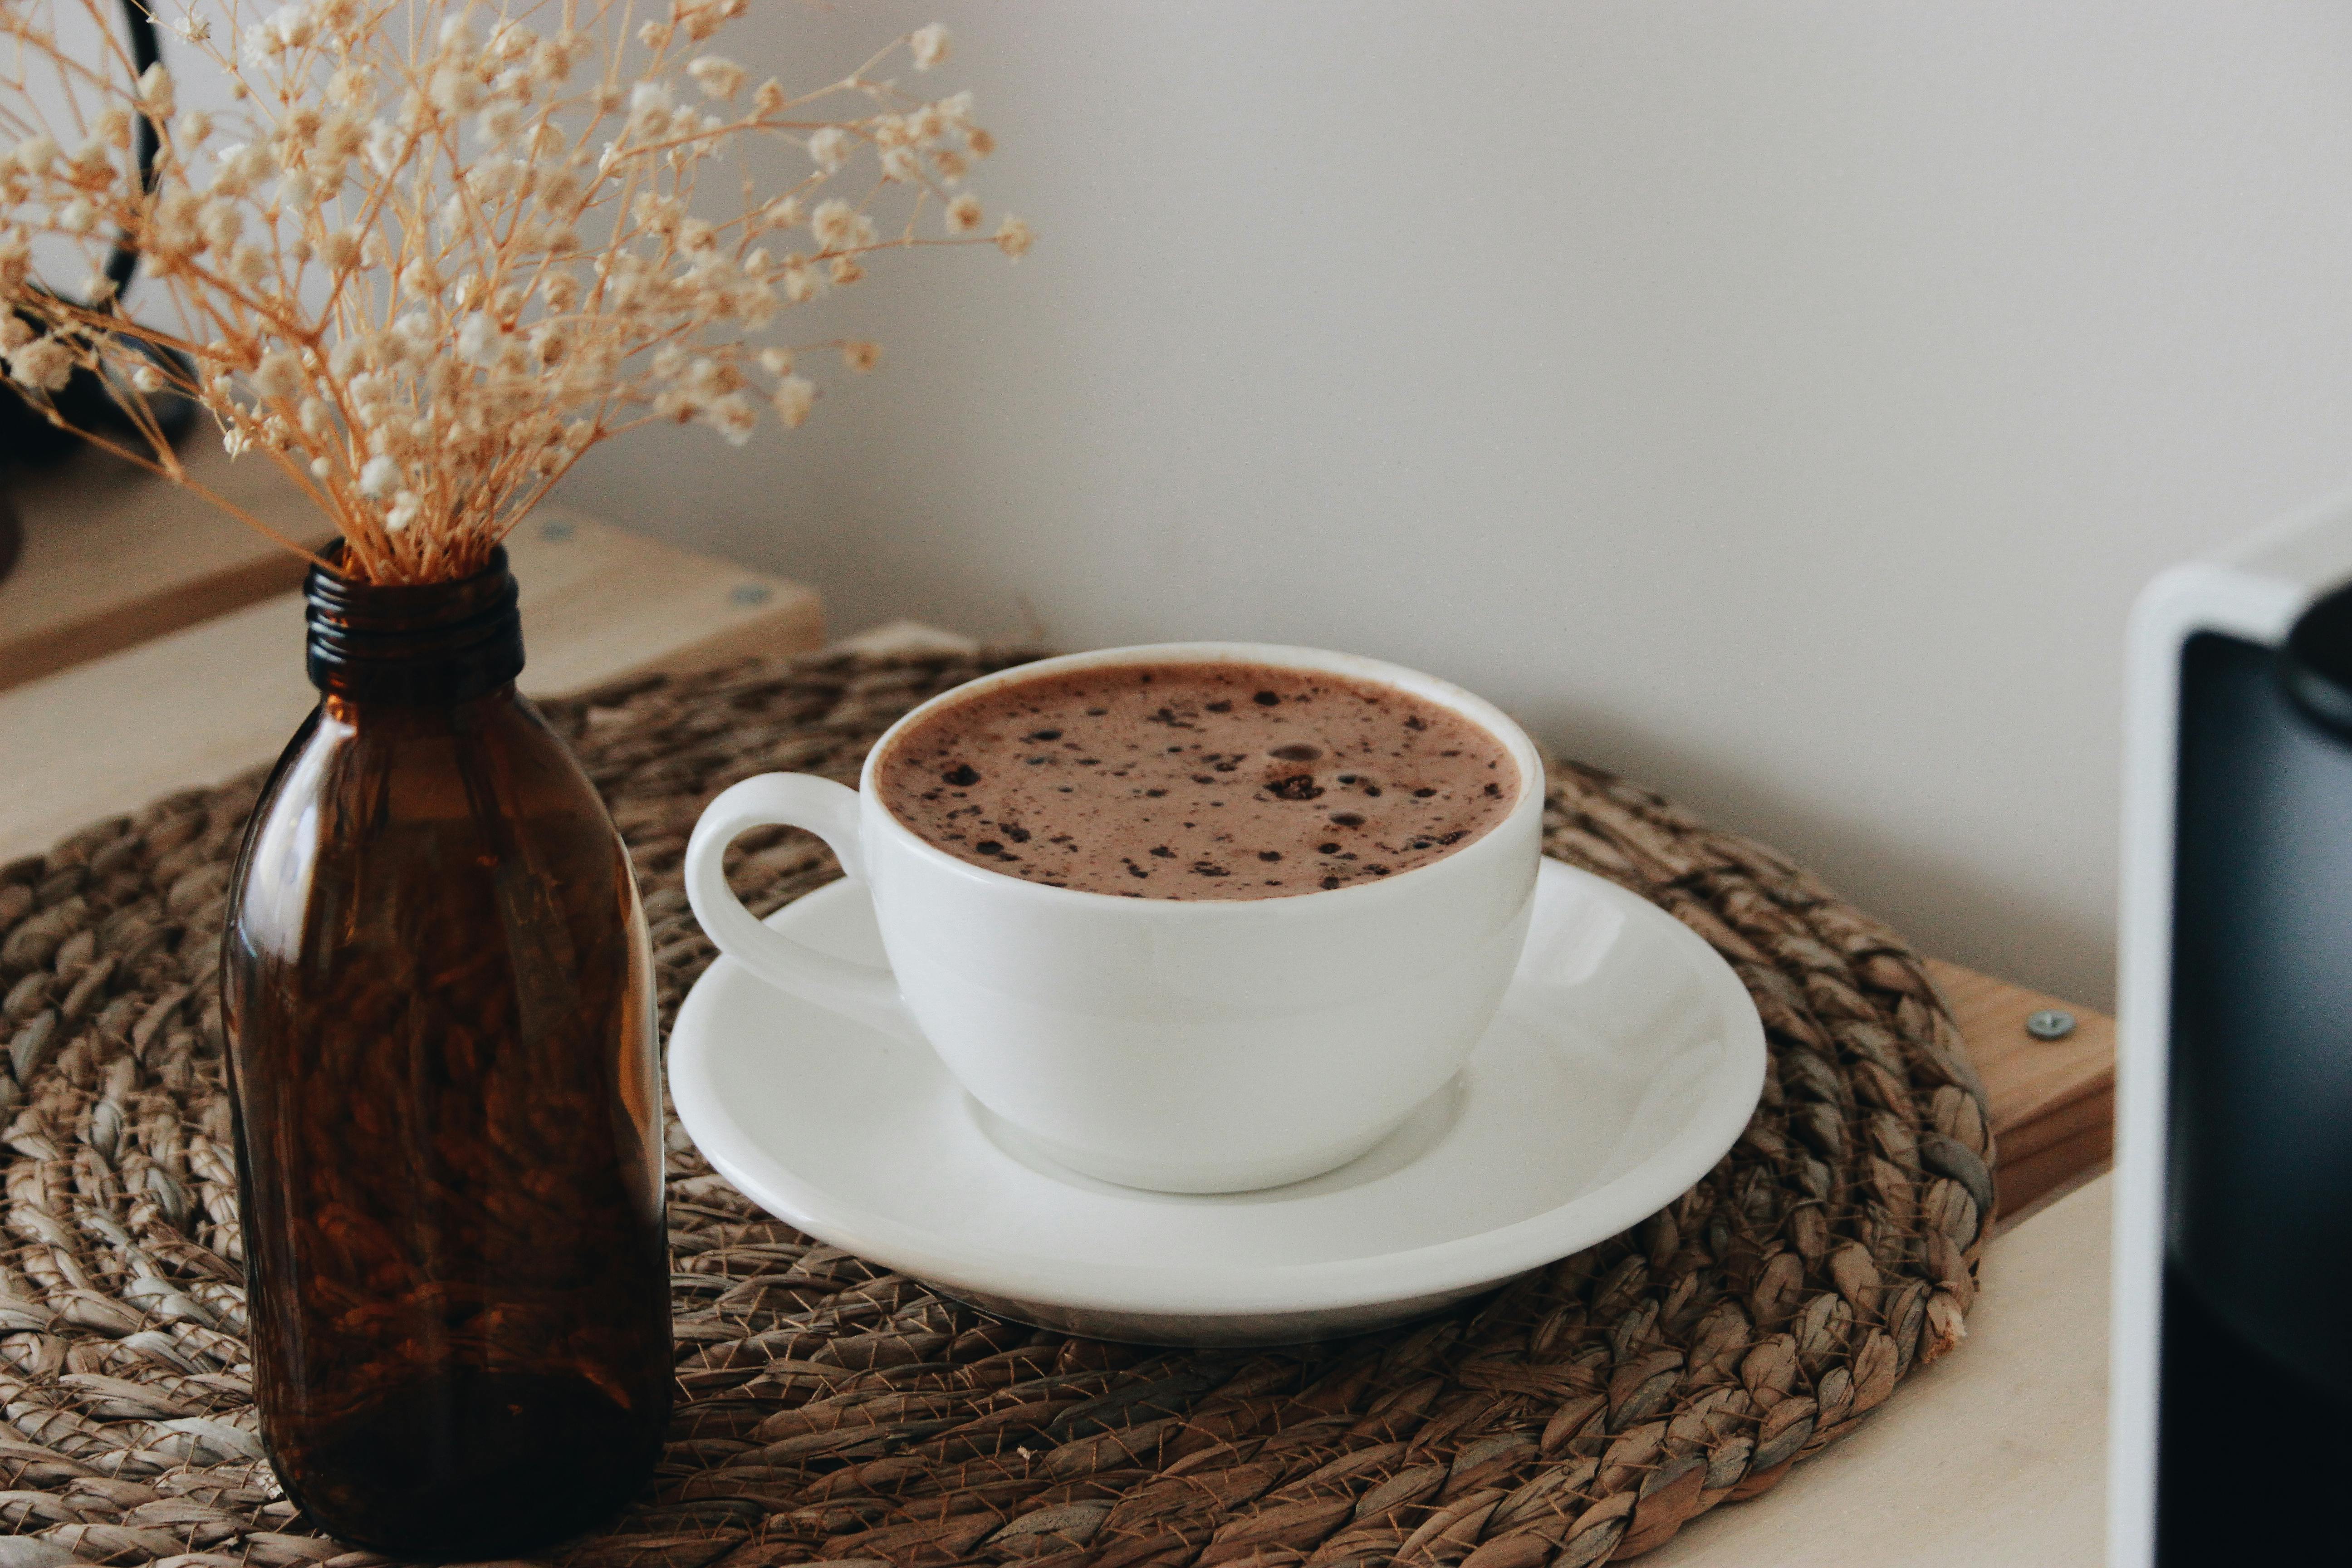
(1780, 404)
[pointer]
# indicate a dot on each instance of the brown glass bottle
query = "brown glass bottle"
(441, 1012)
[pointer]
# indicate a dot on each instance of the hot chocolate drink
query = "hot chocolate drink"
(1198, 781)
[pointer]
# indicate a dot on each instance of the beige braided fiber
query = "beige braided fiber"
(829, 1410)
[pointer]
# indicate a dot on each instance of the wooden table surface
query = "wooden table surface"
(1995, 1456)
(113, 557)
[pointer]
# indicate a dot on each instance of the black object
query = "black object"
(2317, 665)
(2257, 1310)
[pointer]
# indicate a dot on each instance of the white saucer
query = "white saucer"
(1626, 1059)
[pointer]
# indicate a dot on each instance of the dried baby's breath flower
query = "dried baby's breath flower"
(434, 254)
(795, 395)
(829, 146)
(44, 364)
(717, 76)
(155, 91)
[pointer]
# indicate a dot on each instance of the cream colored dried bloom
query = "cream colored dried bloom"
(830, 147)
(718, 76)
(155, 91)
(435, 254)
(45, 364)
(794, 396)
(732, 416)
(379, 478)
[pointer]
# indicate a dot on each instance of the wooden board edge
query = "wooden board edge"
(126, 625)
(2052, 1102)
(793, 623)
(2055, 1154)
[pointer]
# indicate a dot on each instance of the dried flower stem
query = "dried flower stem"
(446, 258)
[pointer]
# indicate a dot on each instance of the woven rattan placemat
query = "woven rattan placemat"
(829, 1410)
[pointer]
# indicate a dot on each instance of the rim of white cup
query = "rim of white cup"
(1324, 661)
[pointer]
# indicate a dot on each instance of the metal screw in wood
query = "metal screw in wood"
(2050, 1023)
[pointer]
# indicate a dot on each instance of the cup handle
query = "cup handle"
(865, 991)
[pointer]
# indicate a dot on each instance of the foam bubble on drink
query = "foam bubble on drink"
(1198, 781)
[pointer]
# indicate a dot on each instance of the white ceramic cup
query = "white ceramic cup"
(1193, 1047)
